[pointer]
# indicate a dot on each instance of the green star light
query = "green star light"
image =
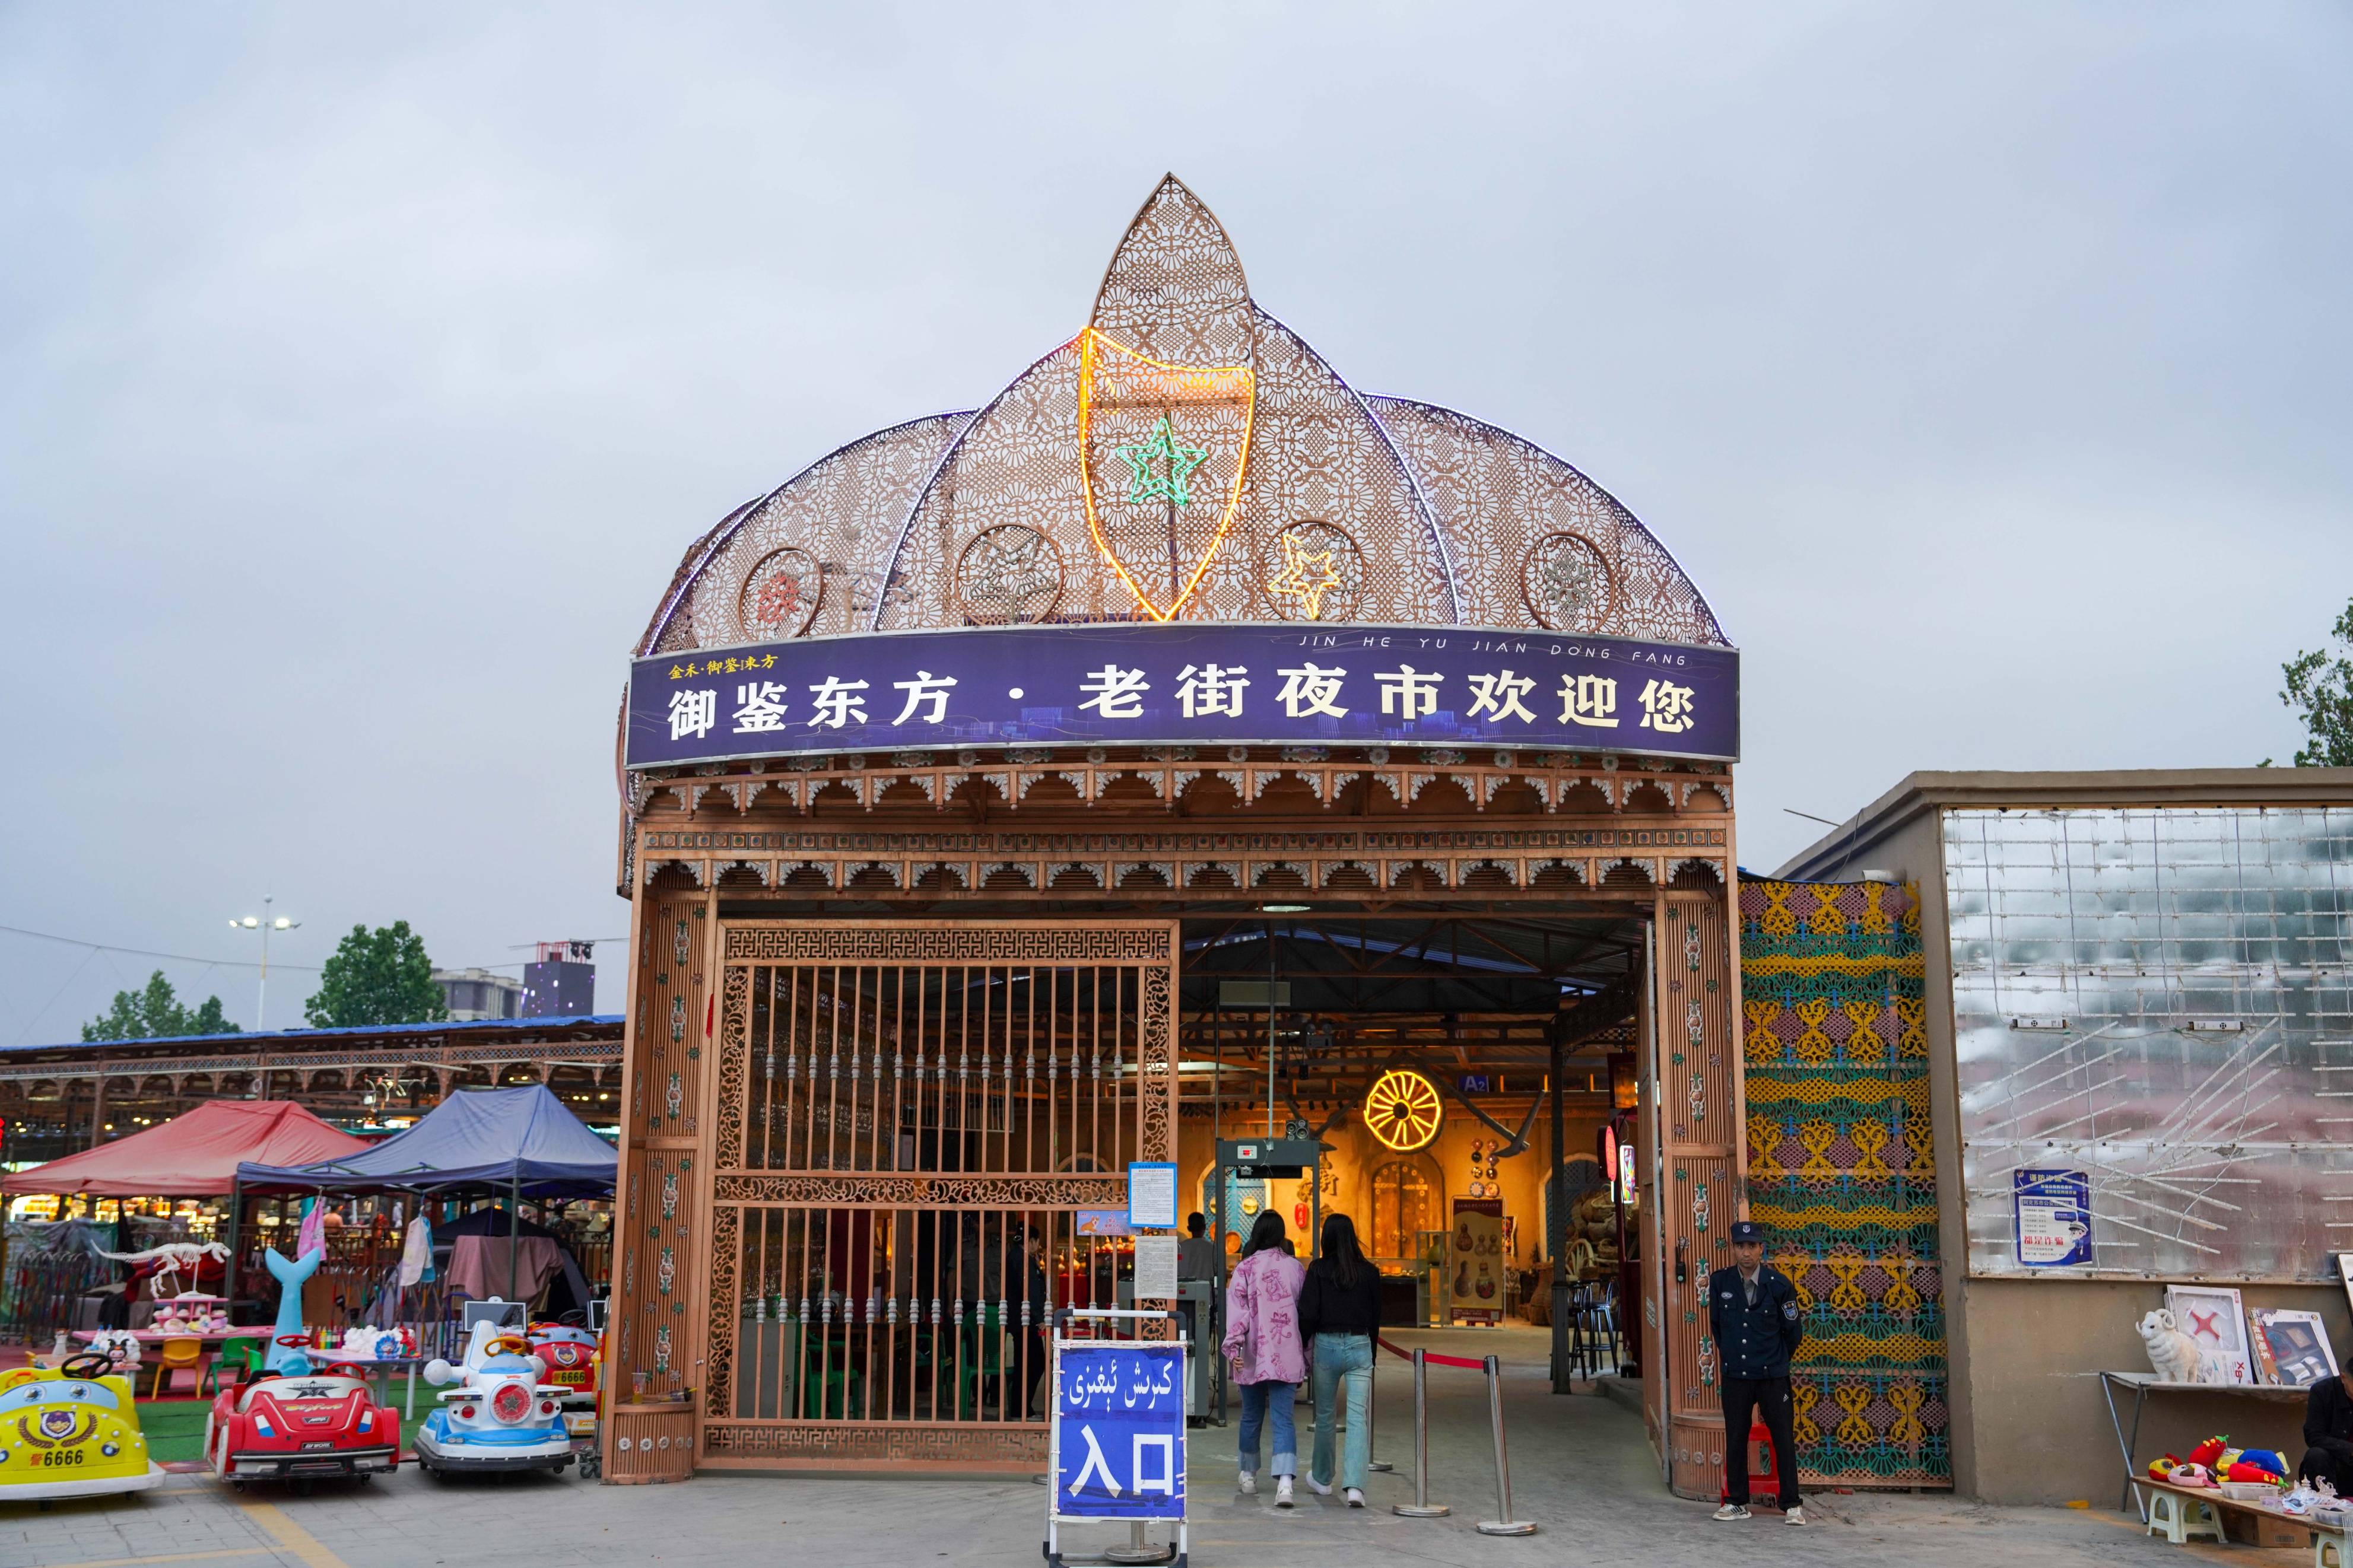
(1145, 484)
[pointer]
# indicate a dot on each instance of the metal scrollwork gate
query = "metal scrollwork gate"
(912, 1121)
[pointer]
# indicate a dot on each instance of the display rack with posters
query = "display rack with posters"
(1475, 1271)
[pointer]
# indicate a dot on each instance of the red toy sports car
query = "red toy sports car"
(282, 1427)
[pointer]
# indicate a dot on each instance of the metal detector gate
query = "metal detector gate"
(1261, 1159)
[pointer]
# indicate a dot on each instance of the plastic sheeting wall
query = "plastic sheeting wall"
(2158, 998)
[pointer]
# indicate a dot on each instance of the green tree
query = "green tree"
(379, 976)
(2320, 689)
(154, 1013)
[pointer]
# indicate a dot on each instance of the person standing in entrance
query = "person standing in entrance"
(1197, 1255)
(1753, 1315)
(1340, 1312)
(1263, 1345)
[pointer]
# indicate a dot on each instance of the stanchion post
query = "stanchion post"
(1372, 1409)
(1504, 1524)
(1422, 1506)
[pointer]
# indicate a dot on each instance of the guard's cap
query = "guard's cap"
(1747, 1230)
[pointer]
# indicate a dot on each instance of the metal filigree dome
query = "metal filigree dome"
(1187, 456)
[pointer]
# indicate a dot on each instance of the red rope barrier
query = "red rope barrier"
(1432, 1357)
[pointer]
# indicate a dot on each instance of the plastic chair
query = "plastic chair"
(1762, 1477)
(2180, 1518)
(177, 1352)
(986, 1361)
(242, 1355)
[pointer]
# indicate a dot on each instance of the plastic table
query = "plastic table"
(2144, 1383)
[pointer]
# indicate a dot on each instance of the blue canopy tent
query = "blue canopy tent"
(515, 1142)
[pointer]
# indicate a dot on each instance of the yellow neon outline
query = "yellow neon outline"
(1087, 338)
(1419, 1097)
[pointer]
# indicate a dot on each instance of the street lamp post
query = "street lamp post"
(265, 923)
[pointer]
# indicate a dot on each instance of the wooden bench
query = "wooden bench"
(2181, 1512)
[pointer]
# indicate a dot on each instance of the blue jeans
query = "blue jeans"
(1343, 1358)
(1259, 1401)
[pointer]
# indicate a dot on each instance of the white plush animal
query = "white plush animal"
(2174, 1355)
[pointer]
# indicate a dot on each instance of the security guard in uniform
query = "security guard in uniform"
(1753, 1314)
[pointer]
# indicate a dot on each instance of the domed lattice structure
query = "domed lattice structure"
(1187, 456)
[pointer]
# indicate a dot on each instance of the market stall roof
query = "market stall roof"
(491, 1139)
(191, 1156)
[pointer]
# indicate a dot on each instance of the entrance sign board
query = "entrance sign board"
(1119, 1430)
(1184, 683)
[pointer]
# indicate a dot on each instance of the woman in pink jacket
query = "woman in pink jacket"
(1262, 1341)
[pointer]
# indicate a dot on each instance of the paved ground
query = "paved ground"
(1581, 1468)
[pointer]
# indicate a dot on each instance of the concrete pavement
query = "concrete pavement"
(1580, 1470)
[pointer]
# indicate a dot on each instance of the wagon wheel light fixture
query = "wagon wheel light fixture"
(1403, 1109)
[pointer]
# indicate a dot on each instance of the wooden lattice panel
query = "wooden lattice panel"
(909, 1118)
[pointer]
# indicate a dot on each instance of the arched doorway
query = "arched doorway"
(1405, 1210)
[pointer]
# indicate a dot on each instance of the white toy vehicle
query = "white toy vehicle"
(499, 1416)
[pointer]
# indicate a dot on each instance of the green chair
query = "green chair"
(242, 1353)
(984, 1360)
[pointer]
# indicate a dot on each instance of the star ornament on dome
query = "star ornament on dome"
(1306, 575)
(1158, 467)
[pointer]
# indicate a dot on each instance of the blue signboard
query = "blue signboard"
(1119, 1431)
(2053, 1212)
(1183, 683)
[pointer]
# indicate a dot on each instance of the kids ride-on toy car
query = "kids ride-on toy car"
(71, 1430)
(499, 1417)
(571, 1357)
(296, 1425)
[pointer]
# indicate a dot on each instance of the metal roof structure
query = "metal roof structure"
(1186, 456)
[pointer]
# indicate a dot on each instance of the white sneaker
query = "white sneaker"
(1318, 1488)
(1732, 1511)
(1282, 1492)
(1356, 1497)
(1795, 1516)
(1248, 1483)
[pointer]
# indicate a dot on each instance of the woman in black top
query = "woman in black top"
(1339, 1313)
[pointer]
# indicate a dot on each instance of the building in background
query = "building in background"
(2135, 990)
(562, 984)
(475, 995)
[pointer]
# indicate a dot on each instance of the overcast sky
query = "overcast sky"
(363, 372)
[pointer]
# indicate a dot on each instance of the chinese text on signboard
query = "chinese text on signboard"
(1180, 683)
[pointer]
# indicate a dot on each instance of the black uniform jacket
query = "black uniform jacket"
(1755, 1342)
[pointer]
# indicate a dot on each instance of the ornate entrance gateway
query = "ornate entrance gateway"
(913, 1118)
(976, 781)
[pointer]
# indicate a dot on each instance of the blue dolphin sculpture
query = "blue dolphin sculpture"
(285, 1360)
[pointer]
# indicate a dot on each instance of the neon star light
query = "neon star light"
(1157, 469)
(1306, 575)
(1143, 379)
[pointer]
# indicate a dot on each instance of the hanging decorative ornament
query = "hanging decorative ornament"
(1008, 576)
(1403, 1109)
(1316, 573)
(781, 596)
(1566, 583)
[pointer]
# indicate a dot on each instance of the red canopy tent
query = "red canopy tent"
(191, 1156)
